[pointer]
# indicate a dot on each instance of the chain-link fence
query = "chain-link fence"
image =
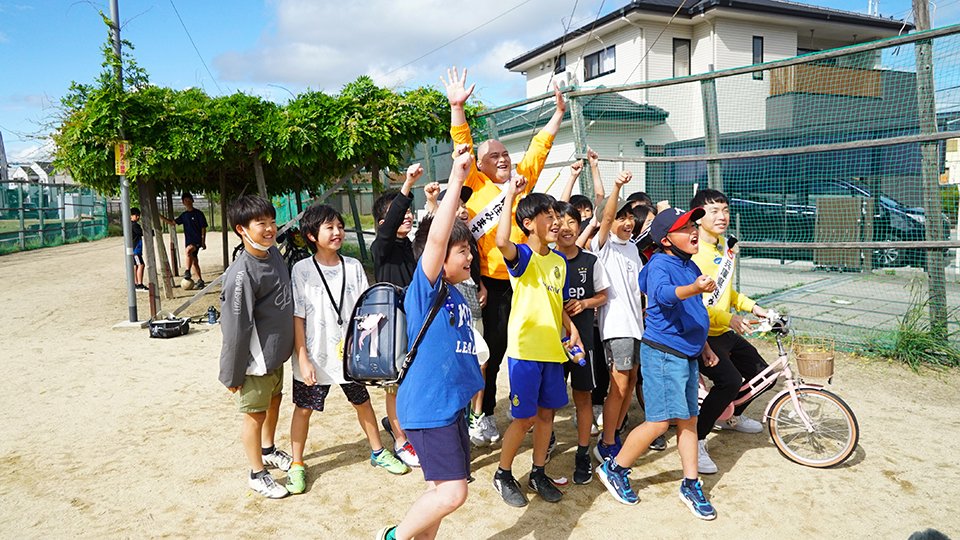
(840, 167)
(35, 214)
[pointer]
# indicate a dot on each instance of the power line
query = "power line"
(200, 56)
(461, 36)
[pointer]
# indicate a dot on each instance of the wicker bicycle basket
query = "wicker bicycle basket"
(814, 356)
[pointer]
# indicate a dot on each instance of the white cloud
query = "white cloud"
(19, 152)
(323, 44)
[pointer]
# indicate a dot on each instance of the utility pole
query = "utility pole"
(124, 184)
(929, 174)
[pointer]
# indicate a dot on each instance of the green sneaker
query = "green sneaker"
(388, 461)
(296, 479)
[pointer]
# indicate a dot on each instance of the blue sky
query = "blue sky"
(276, 47)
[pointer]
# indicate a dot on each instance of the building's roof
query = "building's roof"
(600, 107)
(697, 7)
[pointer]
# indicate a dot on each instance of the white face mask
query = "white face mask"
(255, 245)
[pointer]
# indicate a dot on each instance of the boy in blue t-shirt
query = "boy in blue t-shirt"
(445, 373)
(675, 338)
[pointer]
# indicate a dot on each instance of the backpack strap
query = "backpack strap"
(437, 303)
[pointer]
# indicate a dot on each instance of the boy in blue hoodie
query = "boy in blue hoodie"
(674, 339)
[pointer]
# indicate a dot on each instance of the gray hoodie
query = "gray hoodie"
(256, 306)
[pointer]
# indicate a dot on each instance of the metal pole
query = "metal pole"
(124, 184)
(711, 131)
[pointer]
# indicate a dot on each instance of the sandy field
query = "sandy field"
(111, 434)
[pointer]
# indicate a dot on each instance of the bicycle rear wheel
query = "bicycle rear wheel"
(835, 430)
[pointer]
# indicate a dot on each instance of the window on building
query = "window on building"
(599, 63)
(681, 57)
(758, 56)
(560, 63)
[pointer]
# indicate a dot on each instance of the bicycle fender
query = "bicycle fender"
(766, 411)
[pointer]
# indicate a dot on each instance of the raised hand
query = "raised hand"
(576, 167)
(455, 84)
(432, 191)
(557, 94)
(461, 160)
(624, 178)
(593, 157)
(414, 172)
(516, 185)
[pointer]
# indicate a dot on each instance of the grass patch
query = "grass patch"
(913, 342)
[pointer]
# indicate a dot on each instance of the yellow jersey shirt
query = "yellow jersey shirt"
(487, 201)
(536, 314)
(708, 259)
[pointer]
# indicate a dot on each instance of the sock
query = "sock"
(582, 450)
(689, 483)
(503, 473)
(255, 475)
(537, 471)
(377, 452)
(268, 451)
(300, 463)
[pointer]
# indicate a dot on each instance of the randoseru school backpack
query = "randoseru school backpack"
(375, 350)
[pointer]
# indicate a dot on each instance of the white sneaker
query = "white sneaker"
(742, 424)
(278, 459)
(704, 464)
(475, 430)
(407, 454)
(490, 431)
(265, 486)
(597, 418)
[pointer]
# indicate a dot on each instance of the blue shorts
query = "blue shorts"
(535, 384)
(669, 385)
(444, 452)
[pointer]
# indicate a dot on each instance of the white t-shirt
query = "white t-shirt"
(622, 315)
(312, 303)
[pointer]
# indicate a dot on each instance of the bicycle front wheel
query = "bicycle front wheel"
(835, 430)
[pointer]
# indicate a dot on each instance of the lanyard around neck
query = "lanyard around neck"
(343, 286)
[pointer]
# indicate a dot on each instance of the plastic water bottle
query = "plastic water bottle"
(212, 315)
(574, 352)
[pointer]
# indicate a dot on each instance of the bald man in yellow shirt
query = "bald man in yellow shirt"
(486, 179)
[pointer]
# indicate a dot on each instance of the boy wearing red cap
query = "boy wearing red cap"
(674, 339)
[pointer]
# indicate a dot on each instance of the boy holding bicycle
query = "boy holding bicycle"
(738, 359)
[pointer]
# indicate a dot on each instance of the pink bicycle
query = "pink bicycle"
(809, 424)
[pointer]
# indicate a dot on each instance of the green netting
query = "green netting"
(824, 149)
(36, 215)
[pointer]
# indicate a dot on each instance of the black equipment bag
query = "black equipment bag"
(168, 328)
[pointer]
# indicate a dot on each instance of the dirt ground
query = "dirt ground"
(111, 434)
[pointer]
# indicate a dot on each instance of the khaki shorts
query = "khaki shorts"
(258, 390)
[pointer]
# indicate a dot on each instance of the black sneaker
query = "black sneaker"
(509, 490)
(583, 469)
(201, 284)
(659, 444)
(544, 487)
(385, 422)
(186, 274)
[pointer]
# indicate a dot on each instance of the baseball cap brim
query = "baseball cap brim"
(621, 204)
(465, 194)
(689, 215)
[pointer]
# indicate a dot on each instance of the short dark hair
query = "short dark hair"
(247, 208)
(708, 196)
(134, 211)
(581, 202)
(565, 208)
(314, 217)
(458, 234)
(382, 204)
(640, 197)
(188, 195)
(640, 213)
(532, 206)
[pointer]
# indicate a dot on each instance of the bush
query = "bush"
(950, 199)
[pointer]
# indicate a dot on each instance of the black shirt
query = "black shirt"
(193, 222)
(579, 287)
(393, 260)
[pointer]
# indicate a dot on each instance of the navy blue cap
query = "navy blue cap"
(465, 194)
(672, 219)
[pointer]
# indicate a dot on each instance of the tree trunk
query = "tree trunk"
(375, 182)
(258, 171)
(167, 275)
(172, 229)
(148, 223)
(225, 229)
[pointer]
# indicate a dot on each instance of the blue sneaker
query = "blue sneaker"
(604, 452)
(617, 482)
(691, 493)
